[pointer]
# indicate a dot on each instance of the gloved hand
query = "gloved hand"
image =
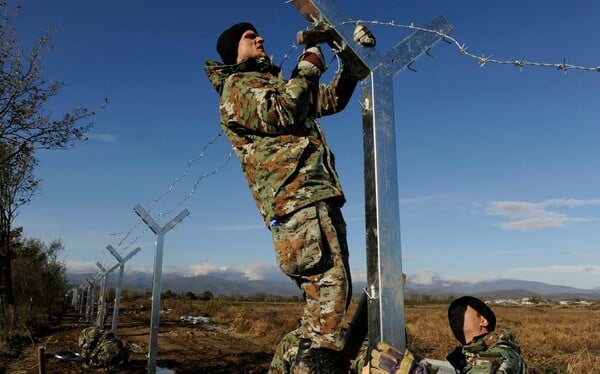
(311, 62)
(363, 36)
(386, 359)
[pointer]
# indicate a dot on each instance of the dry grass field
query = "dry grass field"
(243, 335)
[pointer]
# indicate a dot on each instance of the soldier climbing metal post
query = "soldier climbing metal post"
(271, 124)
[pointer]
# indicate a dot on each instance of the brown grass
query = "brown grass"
(554, 339)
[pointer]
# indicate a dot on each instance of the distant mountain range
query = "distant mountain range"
(496, 289)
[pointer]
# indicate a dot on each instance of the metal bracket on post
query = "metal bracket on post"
(121, 265)
(156, 283)
(382, 214)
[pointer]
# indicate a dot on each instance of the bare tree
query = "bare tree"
(26, 125)
(17, 187)
(24, 121)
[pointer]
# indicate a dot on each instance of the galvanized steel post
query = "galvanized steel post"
(382, 214)
(156, 284)
(121, 264)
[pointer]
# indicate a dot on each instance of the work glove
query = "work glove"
(311, 62)
(363, 36)
(386, 359)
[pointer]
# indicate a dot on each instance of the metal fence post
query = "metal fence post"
(121, 264)
(156, 283)
(382, 215)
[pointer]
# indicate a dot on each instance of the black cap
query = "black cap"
(228, 42)
(456, 315)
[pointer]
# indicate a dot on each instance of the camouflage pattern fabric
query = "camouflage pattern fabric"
(311, 248)
(290, 170)
(281, 147)
(100, 348)
(285, 353)
(496, 353)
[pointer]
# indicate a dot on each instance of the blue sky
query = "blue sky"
(497, 166)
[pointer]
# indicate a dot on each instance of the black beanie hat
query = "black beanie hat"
(456, 315)
(228, 42)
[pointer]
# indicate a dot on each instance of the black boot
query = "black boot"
(318, 360)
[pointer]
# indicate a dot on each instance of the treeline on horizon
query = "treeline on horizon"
(411, 299)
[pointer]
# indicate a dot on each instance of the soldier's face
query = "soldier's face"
(474, 324)
(250, 45)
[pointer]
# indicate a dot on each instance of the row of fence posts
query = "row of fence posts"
(84, 295)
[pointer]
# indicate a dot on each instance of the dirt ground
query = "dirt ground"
(240, 338)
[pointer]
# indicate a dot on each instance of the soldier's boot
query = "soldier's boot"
(318, 360)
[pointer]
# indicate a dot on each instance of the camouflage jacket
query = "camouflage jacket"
(271, 125)
(496, 352)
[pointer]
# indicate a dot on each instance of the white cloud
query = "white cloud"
(195, 269)
(259, 271)
(103, 138)
(247, 272)
(424, 277)
(528, 216)
(557, 269)
(571, 203)
(75, 266)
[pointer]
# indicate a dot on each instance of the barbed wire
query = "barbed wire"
(171, 188)
(189, 165)
(482, 59)
(194, 187)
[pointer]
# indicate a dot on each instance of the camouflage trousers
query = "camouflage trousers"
(286, 351)
(311, 248)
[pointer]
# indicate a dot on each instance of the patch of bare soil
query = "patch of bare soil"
(240, 338)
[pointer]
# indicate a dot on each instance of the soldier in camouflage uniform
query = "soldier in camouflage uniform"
(482, 351)
(290, 170)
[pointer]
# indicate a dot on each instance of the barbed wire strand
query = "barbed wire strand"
(189, 165)
(170, 189)
(202, 177)
(482, 59)
(177, 205)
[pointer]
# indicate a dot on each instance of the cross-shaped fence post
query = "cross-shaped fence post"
(81, 300)
(382, 214)
(90, 297)
(121, 264)
(156, 283)
(102, 308)
(102, 302)
(74, 292)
